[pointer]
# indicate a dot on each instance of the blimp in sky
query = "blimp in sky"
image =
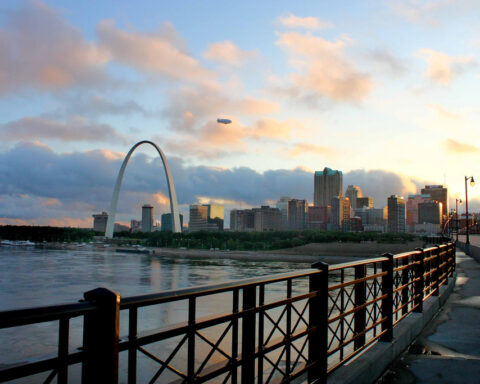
(224, 121)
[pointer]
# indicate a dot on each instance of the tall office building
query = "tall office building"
(353, 192)
(297, 218)
(242, 220)
(147, 218)
(396, 214)
(282, 205)
(167, 222)
(267, 219)
(364, 202)
(430, 212)
(438, 193)
(100, 222)
(318, 217)
(412, 209)
(340, 211)
(198, 218)
(327, 185)
(215, 217)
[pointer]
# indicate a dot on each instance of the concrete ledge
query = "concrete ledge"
(370, 365)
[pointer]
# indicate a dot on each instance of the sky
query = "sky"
(385, 91)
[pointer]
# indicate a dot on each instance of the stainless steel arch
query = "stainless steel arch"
(171, 191)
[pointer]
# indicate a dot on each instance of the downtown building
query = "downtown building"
(340, 211)
(353, 193)
(297, 214)
(166, 223)
(396, 214)
(318, 217)
(412, 209)
(430, 217)
(261, 219)
(438, 193)
(147, 218)
(100, 222)
(206, 217)
(327, 185)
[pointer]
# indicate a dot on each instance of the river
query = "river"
(34, 277)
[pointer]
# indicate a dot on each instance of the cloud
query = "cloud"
(213, 140)
(76, 128)
(324, 71)
(442, 68)
(431, 12)
(308, 148)
(444, 113)
(386, 61)
(228, 53)
(455, 147)
(309, 22)
(96, 105)
(157, 54)
(42, 51)
(37, 184)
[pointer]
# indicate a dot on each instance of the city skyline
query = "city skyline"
(306, 86)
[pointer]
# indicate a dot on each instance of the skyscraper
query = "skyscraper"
(282, 205)
(438, 193)
(353, 192)
(198, 218)
(412, 209)
(100, 222)
(364, 202)
(167, 222)
(297, 218)
(396, 214)
(340, 212)
(147, 218)
(327, 185)
(215, 216)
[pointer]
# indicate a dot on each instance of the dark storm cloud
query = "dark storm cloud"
(83, 182)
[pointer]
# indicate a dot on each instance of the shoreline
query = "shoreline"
(331, 253)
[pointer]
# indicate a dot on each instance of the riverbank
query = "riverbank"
(331, 253)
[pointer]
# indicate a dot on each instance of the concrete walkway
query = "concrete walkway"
(448, 350)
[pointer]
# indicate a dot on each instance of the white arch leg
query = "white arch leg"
(171, 191)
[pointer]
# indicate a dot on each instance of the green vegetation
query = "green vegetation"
(50, 234)
(248, 241)
(242, 241)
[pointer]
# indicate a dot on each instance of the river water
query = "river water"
(34, 277)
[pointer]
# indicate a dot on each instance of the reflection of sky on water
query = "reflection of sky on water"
(32, 277)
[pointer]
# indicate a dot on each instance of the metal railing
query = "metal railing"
(278, 328)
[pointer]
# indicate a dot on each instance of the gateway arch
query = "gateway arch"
(171, 191)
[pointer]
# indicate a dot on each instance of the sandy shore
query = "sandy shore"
(331, 253)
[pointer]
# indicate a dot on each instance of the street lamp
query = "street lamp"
(472, 183)
(456, 213)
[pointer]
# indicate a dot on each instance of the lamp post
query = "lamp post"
(456, 213)
(472, 183)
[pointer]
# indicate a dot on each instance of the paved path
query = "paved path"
(448, 350)
(474, 239)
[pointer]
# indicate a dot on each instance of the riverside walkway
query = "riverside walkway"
(448, 350)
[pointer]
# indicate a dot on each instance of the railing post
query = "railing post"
(454, 251)
(387, 302)
(360, 315)
(248, 334)
(100, 337)
(405, 262)
(318, 324)
(436, 272)
(420, 283)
